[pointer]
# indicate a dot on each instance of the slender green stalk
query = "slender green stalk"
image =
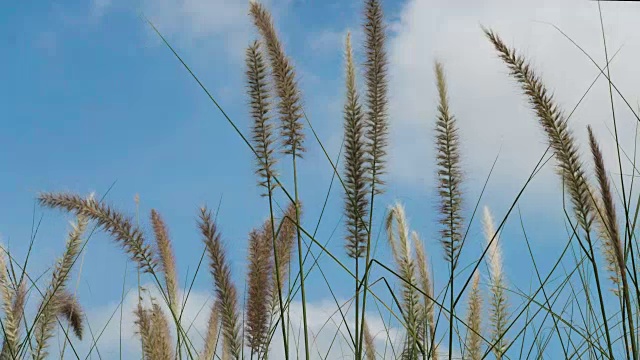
(449, 175)
(377, 132)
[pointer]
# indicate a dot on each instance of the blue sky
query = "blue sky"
(91, 97)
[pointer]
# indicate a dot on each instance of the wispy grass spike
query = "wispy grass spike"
(499, 318)
(284, 79)
(258, 278)
(554, 123)
(11, 322)
(54, 297)
(260, 104)
(427, 323)
(70, 309)
(608, 229)
(167, 259)
(449, 172)
(356, 167)
(606, 213)
(225, 289)
(211, 339)
(129, 236)
(563, 144)
(474, 320)
(153, 327)
(369, 342)
(411, 309)
(376, 98)
(285, 244)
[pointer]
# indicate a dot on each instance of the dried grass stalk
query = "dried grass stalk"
(258, 278)
(356, 167)
(606, 216)
(167, 260)
(260, 105)
(498, 304)
(608, 229)
(225, 289)
(285, 244)
(427, 318)
(449, 173)
(153, 328)
(369, 343)
(474, 320)
(129, 236)
(54, 297)
(17, 311)
(284, 78)
(555, 126)
(211, 340)
(70, 309)
(376, 97)
(11, 321)
(401, 249)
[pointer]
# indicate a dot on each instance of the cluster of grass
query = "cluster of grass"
(499, 322)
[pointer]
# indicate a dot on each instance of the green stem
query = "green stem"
(300, 263)
(277, 268)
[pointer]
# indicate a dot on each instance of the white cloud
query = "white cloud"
(324, 322)
(490, 108)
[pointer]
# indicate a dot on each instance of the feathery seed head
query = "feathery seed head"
(356, 168)
(260, 105)
(225, 289)
(498, 304)
(122, 229)
(70, 309)
(376, 95)
(167, 259)
(56, 301)
(449, 173)
(605, 216)
(258, 278)
(474, 320)
(284, 78)
(554, 123)
(211, 340)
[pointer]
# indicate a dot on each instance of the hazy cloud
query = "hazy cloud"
(491, 110)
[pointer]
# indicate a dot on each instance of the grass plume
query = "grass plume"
(427, 328)
(11, 323)
(258, 279)
(613, 247)
(167, 259)
(376, 98)
(449, 178)
(498, 304)
(56, 298)
(562, 142)
(449, 172)
(154, 329)
(401, 248)
(285, 83)
(70, 309)
(285, 242)
(369, 342)
(355, 160)
(474, 320)
(260, 106)
(225, 290)
(129, 236)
